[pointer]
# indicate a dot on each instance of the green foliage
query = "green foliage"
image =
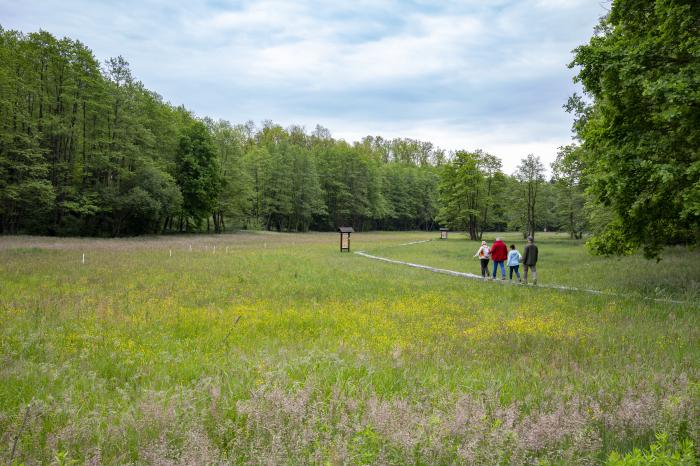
(82, 151)
(234, 201)
(148, 195)
(530, 176)
(460, 189)
(366, 446)
(91, 151)
(611, 241)
(569, 190)
(660, 453)
(197, 172)
(641, 132)
(467, 190)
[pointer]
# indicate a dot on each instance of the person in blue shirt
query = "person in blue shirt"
(514, 259)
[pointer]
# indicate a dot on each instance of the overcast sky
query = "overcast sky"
(488, 74)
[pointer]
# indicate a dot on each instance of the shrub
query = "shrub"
(661, 452)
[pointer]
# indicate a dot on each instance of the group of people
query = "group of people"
(499, 254)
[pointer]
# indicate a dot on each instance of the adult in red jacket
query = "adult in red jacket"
(499, 253)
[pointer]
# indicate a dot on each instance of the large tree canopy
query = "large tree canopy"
(641, 130)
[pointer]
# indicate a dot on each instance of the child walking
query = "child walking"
(484, 253)
(514, 259)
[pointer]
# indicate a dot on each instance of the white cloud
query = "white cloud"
(510, 142)
(463, 74)
(563, 4)
(294, 47)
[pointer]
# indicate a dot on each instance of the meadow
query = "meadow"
(264, 348)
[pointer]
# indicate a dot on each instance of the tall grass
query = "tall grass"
(283, 350)
(567, 262)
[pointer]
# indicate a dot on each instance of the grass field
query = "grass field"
(278, 349)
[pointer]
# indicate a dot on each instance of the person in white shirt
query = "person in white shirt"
(514, 259)
(484, 254)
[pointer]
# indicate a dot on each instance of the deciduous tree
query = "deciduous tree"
(530, 174)
(640, 126)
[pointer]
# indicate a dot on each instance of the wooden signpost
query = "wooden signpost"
(345, 238)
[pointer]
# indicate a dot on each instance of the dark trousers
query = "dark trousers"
(484, 267)
(514, 268)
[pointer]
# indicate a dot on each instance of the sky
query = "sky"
(471, 74)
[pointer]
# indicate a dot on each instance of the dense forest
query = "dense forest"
(86, 149)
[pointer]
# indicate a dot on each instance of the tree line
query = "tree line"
(476, 196)
(86, 149)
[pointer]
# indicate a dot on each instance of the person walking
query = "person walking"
(483, 254)
(514, 259)
(499, 253)
(530, 260)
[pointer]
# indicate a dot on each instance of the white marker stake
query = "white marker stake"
(190, 248)
(171, 252)
(83, 258)
(214, 250)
